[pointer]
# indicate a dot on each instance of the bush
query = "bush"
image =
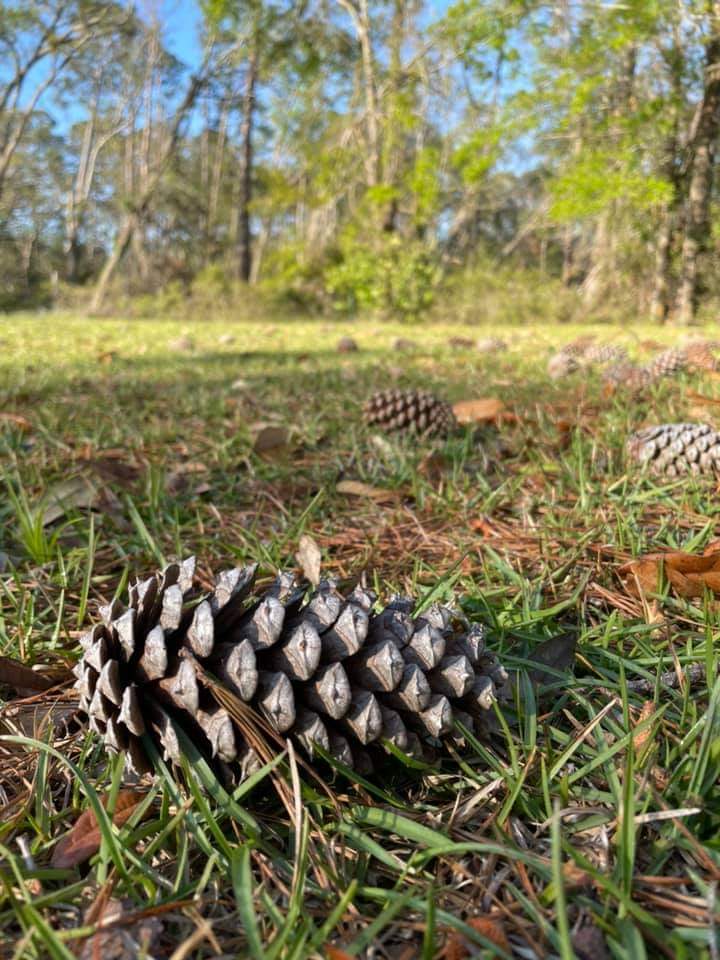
(396, 276)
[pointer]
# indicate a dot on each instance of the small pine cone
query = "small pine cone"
(674, 449)
(579, 346)
(667, 364)
(562, 364)
(700, 354)
(491, 345)
(416, 411)
(600, 353)
(627, 376)
(323, 667)
(582, 352)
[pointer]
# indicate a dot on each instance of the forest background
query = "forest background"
(480, 159)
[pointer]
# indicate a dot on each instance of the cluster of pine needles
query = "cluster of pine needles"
(585, 825)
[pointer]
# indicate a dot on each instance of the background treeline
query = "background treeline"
(344, 155)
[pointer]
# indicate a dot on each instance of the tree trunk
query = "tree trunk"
(660, 298)
(137, 212)
(702, 150)
(596, 283)
(360, 17)
(244, 245)
(601, 276)
(122, 242)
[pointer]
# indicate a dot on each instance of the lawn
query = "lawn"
(585, 825)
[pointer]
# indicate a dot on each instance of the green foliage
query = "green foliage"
(424, 183)
(395, 276)
(589, 185)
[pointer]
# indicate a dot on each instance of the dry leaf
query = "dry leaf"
(121, 937)
(309, 558)
(492, 930)
(268, 436)
(19, 676)
(589, 943)
(555, 652)
(479, 411)
(80, 492)
(701, 399)
(575, 877)
(354, 488)
(456, 947)
(689, 574)
(336, 953)
(85, 837)
(33, 719)
(17, 420)
(177, 480)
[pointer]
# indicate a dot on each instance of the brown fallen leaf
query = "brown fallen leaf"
(16, 420)
(689, 574)
(21, 677)
(354, 488)
(701, 399)
(589, 943)
(336, 953)
(309, 558)
(81, 492)
(269, 436)
(122, 934)
(178, 479)
(84, 839)
(557, 653)
(479, 411)
(575, 878)
(33, 717)
(457, 948)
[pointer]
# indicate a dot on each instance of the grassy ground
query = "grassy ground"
(589, 821)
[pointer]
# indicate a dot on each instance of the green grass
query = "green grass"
(554, 823)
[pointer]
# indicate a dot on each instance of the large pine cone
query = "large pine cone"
(417, 411)
(675, 449)
(325, 668)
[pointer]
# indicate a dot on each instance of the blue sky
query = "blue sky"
(183, 18)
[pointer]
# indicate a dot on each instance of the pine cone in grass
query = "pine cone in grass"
(600, 353)
(701, 354)
(417, 411)
(668, 363)
(674, 449)
(325, 668)
(627, 376)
